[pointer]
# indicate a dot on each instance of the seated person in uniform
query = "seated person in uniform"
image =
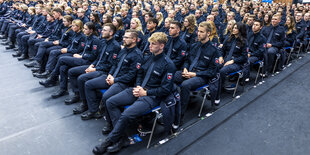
(199, 67)
(154, 83)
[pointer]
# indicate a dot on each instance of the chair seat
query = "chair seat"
(239, 71)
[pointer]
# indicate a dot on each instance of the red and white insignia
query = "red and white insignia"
(138, 65)
(169, 76)
(83, 44)
(215, 45)
(114, 56)
(139, 39)
(264, 45)
(247, 49)
(95, 47)
(217, 60)
(183, 53)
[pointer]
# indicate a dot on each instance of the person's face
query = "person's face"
(150, 25)
(75, 27)
(197, 13)
(174, 30)
(275, 20)
(210, 18)
(106, 32)
(298, 17)
(104, 18)
(266, 18)
(171, 14)
(183, 12)
(288, 21)
(133, 24)
(44, 12)
(202, 33)
(146, 18)
(38, 10)
(128, 40)
(92, 18)
(155, 48)
(256, 27)
(235, 30)
(80, 13)
(87, 31)
(186, 23)
(65, 22)
(229, 25)
(56, 14)
(307, 17)
(85, 7)
(250, 21)
(167, 23)
(49, 18)
(229, 16)
(115, 23)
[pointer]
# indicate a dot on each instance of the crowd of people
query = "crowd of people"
(146, 53)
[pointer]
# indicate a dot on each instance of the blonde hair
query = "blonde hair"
(213, 32)
(158, 37)
(233, 22)
(79, 23)
(161, 18)
(139, 28)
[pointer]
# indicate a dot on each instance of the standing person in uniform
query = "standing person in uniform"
(154, 82)
(199, 67)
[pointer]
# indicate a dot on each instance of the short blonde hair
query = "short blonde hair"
(79, 23)
(158, 37)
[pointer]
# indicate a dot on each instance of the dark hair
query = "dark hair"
(259, 21)
(242, 35)
(96, 16)
(112, 27)
(92, 26)
(109, 18)
(68, 18)
(154, 20)
(177, 24)
(150, 14)
(58, 10)
(119, 22)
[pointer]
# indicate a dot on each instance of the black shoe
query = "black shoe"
(91, 115)
(80, 109)
(10, 47)
(123, 142)
(102, 148)
(107, 129)
(49, 82)
(33, 64)
(59, 93)
(22, 57)
(15, 49)
(17, 54)
(35, 70)
(73, 99)
(42, 75)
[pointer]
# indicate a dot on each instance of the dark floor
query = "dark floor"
(269, 119)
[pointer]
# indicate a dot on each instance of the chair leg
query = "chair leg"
(275, 65)
(308, 46)
(259, 68)
(203, 102)
(153, 128)
(240, 76)
(300, 47)
(289, 56)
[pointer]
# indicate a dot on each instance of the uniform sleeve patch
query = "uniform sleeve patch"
(169, 76)
(217, 60)
(82, 44)
(114, 56)
(95, 47)
(183, 53)
(138, 65)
